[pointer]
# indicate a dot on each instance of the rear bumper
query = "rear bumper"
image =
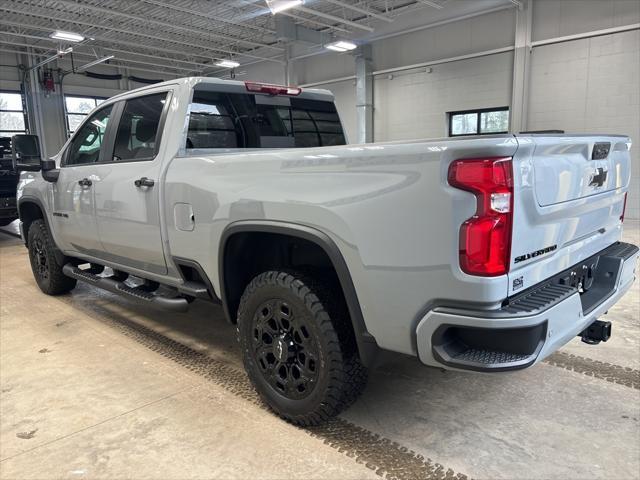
(534, 324)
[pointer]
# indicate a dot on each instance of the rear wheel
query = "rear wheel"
(46, 270)
(298, 348)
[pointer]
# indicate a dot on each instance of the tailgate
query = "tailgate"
(569, 194)
(569, 168)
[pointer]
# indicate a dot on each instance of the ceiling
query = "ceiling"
(187, 37)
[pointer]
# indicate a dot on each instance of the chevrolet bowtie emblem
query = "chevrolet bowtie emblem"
(598, 178)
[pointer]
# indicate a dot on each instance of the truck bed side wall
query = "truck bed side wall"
(387, 207)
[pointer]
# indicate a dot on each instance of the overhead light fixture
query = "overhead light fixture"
(67, 36)
(95, 62)
(277, 6)
(227, 64)
(341, 46)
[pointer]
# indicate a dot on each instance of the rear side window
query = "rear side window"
(138, 128)
(220, 120)
(212, 122)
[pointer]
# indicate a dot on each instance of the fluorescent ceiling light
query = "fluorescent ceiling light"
(67, 36)
(280, 5)
(95, 62)
(227, 64)
(341, 46)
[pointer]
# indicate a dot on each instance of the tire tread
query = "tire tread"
(347, 375)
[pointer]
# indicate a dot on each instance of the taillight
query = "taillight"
(272, 89)
(485, 238)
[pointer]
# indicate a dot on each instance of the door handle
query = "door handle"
(144, 182)
(85, 182)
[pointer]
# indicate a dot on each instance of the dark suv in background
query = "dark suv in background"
(8, 184)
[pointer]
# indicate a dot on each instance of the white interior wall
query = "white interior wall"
(345, 98)
(413, 104)
(267, 72)
(590, 86)
(319, 68)
(476, 34)
(560, 18)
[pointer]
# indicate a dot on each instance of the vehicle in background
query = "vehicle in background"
(8, 184)
(478, 253)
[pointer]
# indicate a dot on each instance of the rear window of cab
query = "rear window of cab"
(237, 120)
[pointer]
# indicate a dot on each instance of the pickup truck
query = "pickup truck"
(484, 253)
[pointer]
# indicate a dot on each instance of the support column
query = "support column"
(34, 97)
(289, 74)
(521, 64)
(364, 95)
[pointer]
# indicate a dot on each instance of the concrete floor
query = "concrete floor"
(93, 386)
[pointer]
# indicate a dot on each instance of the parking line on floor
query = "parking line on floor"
(626, 376)
(386, 457)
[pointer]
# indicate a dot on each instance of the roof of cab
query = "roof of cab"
(193, 81)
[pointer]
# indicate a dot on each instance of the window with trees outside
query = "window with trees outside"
(12, 115)
(486, 121)
(77, 108)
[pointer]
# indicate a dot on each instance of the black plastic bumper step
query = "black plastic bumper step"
(488, 357)
(175, 304)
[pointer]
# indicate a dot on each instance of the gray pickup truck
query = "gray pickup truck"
(481, 253)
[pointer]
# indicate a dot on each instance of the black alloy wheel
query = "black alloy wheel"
(298, 346)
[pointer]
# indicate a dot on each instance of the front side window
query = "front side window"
(86, 144)
(138, 128)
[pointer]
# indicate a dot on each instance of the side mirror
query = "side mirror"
(49, 171)
(25, 153)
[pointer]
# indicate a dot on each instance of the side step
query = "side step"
(178, 304)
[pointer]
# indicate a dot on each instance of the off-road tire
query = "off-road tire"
(341, 377)
(46, 270)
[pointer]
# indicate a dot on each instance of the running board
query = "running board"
(177, 304)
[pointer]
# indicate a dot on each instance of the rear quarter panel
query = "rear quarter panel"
(387, 207)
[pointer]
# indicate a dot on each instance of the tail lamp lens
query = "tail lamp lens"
(485, 238)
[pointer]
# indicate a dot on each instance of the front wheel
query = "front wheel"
(46, 270)
(298, 347)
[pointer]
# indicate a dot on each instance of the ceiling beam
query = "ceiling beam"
(141, 69)
(191, 11)
(112, 49)
(431, 4)
(328, 16)
(109, 11)
(110, 40)
(129, 32)
(364, 11)
(76, 53)
(287, 13)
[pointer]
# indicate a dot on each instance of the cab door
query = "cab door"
(127, 187)
(73, 216)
